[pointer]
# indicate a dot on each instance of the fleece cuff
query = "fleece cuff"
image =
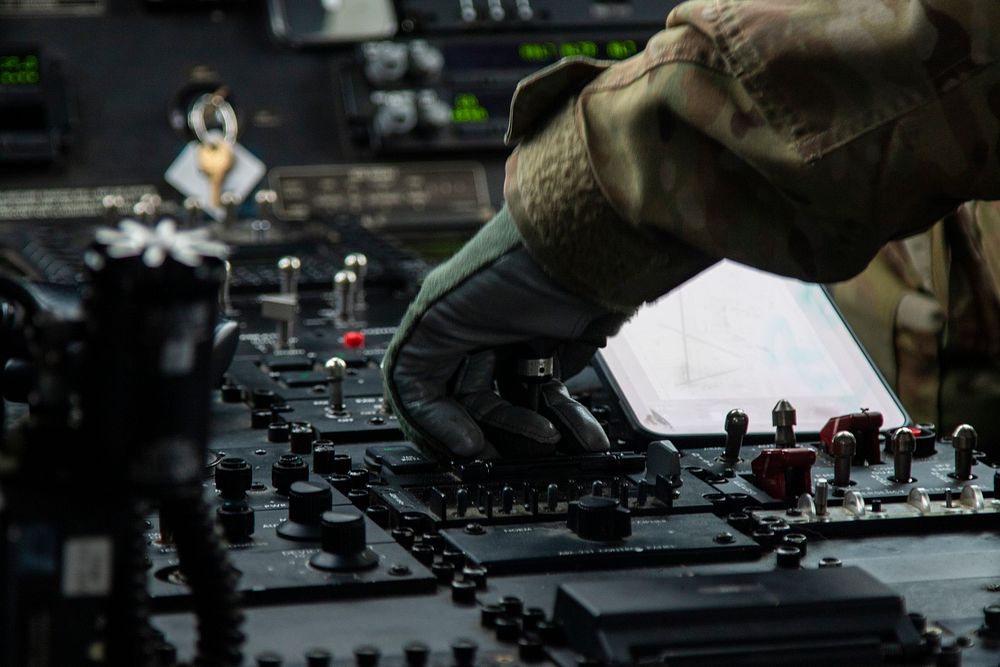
(572, 230)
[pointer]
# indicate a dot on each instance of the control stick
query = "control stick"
(336, 368)
(737, 424)
(843, 448)
(903, 445)
(964, 441)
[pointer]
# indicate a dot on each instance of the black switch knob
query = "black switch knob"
(262, 399)
(231, 393)
(340, 482)
(306, 504)
(233, 476)
(301, 438)
(530, 649)
(269, 659)
(287, 470)
(464, 652)
(366, 656)
(359, 478)
(278, 431)
(599, 518)
(326, 461)
(342, 544)
(260, 418)
(359, 498)
(417, 654)
(318, 657)
(507, 499)
(236, 519)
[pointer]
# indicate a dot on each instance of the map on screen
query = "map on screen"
(736, 337)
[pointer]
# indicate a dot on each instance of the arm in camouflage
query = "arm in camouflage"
(796, 136)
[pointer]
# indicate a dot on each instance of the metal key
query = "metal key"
(215, 160)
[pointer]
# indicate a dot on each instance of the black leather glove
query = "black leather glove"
(462, 333)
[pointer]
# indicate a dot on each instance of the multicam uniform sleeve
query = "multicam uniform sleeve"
(796, 136)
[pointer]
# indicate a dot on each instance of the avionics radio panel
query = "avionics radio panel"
(423, 96)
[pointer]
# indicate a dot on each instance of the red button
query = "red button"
(354, 340)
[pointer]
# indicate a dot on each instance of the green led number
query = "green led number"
(583, 48)
(621, 49)
(538, 52)
(467, 109)
(19, 70)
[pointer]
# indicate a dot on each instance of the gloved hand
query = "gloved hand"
(455, 340)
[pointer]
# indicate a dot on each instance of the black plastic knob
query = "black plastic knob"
(278, 431)
(233, 477)
(263, 399)
(443, 572)
(236, 519)
(300, 438)
(512, 606)
(434, 540)
(404, 537)
(269, 659)
(488, 615)
(231, 393)
(530, 649)
(455, 557)
(423, 553)
(359, 498)
(318, 657)
(507, 499)
(599, 518)
(788, 557)
(379, 514)
(359, 478)
(340, 482)
(991, 618)
(531, 618)
(342, 543)
(476, 575)
(323, 456)
(366, 656)
(287, 470)
(464, 652)
(507, 629)
(463, 592)
(797, 540)
(417, 654)
(260, 418)
(306, 504)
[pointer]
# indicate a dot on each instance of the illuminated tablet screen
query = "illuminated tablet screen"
(735, 337)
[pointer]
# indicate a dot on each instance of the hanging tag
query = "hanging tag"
(185, 176)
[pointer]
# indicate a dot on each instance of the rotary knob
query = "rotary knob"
(599, 518)
(342, 544)
(233, 477)
(287, 470)
(236, 518)
(306, 504)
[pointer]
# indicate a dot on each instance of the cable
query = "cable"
(203, 562)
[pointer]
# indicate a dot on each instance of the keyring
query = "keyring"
(223, 113)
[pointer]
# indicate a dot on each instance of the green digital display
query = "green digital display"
(22, 69)
(541, 52)
(468, 109)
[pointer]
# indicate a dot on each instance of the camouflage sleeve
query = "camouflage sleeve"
(796, 136)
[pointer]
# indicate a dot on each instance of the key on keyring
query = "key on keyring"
(215, 160)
